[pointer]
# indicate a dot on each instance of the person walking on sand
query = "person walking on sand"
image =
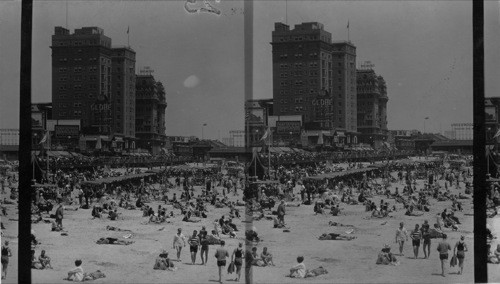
(179, 243)
(204, 247)
(221, 255)
(460, 249)
(194, 242)
(401, 236)
(6, 253)
(443, 248)
(416, 236)
(238, 260)
(426, 236)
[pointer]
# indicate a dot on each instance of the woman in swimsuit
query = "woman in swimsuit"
(238, 260)
(460, 249)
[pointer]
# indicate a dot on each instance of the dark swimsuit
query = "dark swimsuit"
(238, 254)
(461, 250)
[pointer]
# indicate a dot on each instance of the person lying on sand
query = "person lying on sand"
(336, 237)
(331, 223)
(111, 228)
(113, 241)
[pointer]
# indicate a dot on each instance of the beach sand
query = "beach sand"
(346, 261)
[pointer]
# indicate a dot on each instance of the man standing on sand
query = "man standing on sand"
(281, 212)
(179, 243)
(401, 235)
(443, 248)
(426, 236)
(221, 255)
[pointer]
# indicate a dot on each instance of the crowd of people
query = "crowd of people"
(203, 188)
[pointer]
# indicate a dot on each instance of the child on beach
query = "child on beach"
(77, 273)
(299, 270)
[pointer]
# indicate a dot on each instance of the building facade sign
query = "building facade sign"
(322, 102)
(283, 127)
(65, 131)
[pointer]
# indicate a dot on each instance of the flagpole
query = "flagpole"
(348, 37)
(48, 137)
(255, 163)
(269, 153)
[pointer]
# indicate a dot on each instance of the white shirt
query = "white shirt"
(300, 270)
(78, 276)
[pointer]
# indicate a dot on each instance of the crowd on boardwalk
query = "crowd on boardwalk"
(107, 193)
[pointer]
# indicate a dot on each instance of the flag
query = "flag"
(266, 134)
(44, 139)
(426, 117)
(204, 124)
(347, 23)
(497, 134)
(128, 29)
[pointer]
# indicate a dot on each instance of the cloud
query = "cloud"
(191, 81)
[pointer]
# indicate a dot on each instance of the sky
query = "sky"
(197, 57)
(423, 49)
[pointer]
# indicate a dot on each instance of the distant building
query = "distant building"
(453, 146)
(123, 93)
(9, 136)
(462, 131)
(95, 83)
(150, 114)
(81, 78)
(315, 78)
(372, 108)
(236, 139)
